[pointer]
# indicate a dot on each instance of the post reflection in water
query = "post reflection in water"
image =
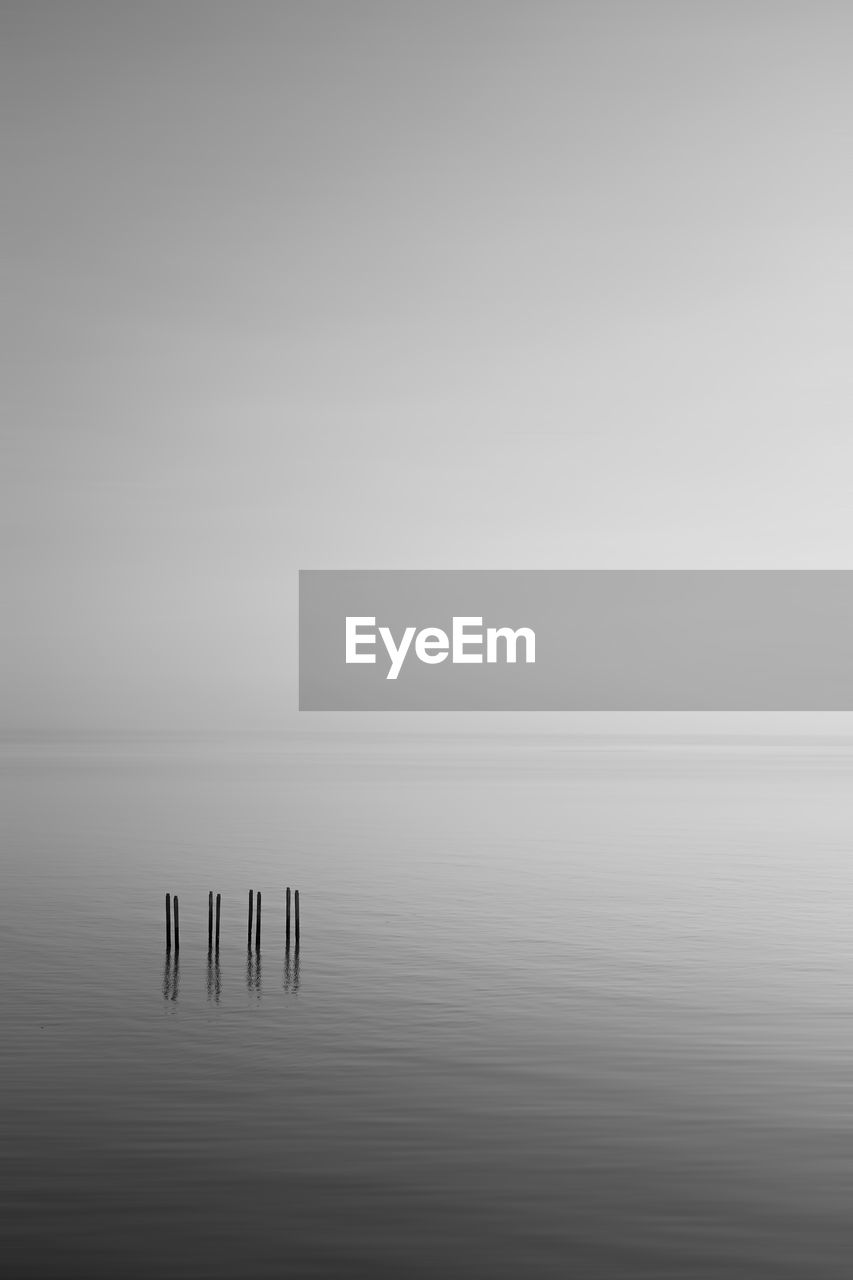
(291, 972)
(171, 976)
(253, 973)
(290, 976)
(214, 978)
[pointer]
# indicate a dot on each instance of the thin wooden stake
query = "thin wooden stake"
(287, 919)
(296, 913)
(210, 921)
(258, 924)
(250, 920)
(177, 926)
(168, 922)
(218, 904)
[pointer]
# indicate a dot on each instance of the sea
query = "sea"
(562, 1006)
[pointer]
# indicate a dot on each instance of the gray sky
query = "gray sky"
(545, 285)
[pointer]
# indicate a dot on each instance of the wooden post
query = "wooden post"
(287, 919)
(296, 913)
(177, 926)
(168, 922)
(218, 904)
(210, 922)
(258, 924)
(250, 920)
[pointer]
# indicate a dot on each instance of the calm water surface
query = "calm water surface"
(561, 1008)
